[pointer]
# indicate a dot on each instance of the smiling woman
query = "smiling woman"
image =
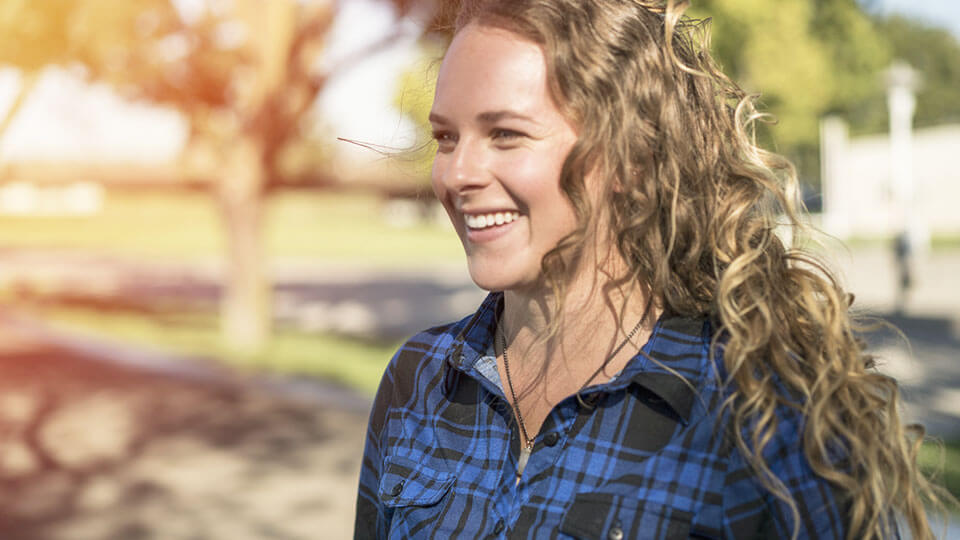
(652, 360)
(501, 146)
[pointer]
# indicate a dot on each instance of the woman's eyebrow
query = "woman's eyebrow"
(492, 117)
(437, 119)
(488, 117)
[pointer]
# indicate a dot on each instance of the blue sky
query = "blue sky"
(944, 13)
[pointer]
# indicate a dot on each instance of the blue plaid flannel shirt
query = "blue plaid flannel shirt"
(644, 456)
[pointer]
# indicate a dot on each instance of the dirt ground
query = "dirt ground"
(95, 451)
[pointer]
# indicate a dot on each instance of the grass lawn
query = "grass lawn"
(945, 460)
(353, 363)
(350, 227)
(937, 243)
(185, 226)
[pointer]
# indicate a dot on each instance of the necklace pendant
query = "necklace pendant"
(522, 462)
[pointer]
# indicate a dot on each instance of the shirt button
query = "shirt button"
(397, 488)
(551, 439)
(616, 533)
(498, 528)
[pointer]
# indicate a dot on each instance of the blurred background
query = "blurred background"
(216, 226)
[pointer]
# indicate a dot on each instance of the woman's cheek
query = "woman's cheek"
(531, 178)
(436, 178)
(519, 172)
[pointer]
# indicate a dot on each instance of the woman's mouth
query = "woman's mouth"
(479, 222)
(489, 226)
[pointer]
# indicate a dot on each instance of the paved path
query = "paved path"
(93, 450)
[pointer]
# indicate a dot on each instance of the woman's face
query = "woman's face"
(502, 144)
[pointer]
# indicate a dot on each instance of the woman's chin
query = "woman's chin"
(495, 277)
(489, 277)
(489, 283)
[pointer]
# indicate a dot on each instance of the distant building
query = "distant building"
(858, 190)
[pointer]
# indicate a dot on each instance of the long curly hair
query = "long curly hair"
(694, 205)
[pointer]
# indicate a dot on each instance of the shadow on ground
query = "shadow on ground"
(926, 365)
(92, 450)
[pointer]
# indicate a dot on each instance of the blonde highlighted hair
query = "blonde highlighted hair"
(694, 204)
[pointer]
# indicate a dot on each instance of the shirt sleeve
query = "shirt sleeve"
(372, 517)
(753, 511)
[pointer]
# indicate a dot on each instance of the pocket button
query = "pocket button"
(397, 488)
(498, 528)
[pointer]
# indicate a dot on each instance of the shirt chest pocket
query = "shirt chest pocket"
(614, 517)
(412, 492)
(409, 483)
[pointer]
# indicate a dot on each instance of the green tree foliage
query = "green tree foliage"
(935, 53)
(34, 34)
(96, 34)
(414, 98)
(858, 51)
(768, 51)
(804, 58)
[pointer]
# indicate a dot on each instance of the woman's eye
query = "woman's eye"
(445, 140)
(506, 134)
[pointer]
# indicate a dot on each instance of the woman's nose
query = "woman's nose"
(466, 169)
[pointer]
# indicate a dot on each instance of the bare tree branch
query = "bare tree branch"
(26, 87)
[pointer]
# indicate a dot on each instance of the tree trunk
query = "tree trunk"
(245, 308)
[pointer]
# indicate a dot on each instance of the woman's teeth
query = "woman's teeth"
(489, 220)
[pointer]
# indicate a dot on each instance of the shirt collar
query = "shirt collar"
(476, 335)
(672, 365)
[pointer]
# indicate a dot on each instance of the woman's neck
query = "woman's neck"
(598, 312)
(557, 349)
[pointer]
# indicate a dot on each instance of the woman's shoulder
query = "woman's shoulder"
(415, 370)
(423, 359)
(429, 346)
